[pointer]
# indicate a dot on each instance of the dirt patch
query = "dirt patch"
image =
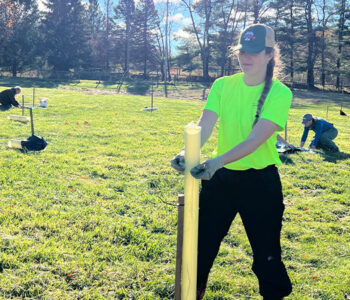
(300, 96)
(317, 97)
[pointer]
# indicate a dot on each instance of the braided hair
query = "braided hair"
(267, 86)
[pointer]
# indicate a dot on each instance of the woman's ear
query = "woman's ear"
(270, 56)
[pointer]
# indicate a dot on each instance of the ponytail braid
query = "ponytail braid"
(267, 86)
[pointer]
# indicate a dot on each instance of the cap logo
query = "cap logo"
(249, 36)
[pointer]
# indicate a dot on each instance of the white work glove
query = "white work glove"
(178, 162)
(207, 169)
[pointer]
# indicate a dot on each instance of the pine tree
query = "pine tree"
(19, 35)
(95, 20)
(66, 35)
(226, 28)
(146, 24)
(125, 11)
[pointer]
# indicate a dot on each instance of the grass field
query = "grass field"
(85, 219)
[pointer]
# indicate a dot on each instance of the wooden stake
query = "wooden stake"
(151, 96)
(180, 228)
(22, 105)
(285, 132)
(33, 96)
(31, 120)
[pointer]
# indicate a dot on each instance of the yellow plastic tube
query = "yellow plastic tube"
(190, 236)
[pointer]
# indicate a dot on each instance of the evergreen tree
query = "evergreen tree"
(125, 11)
(66, 35)
(343, 39)
(290, 35)
(19, 35)
(226, 27)
(95, 20)
(146, 26)
(186, 59)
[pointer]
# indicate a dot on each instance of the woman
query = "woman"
(242, 177)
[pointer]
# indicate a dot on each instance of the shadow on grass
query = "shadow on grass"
(138, 87)
(31, 82)
(334, 157)
(285, 159)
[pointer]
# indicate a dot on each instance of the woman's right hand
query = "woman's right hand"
(178, 162)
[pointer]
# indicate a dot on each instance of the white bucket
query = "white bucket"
(43, 102)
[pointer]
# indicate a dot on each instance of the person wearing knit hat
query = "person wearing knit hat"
(325, 133)
(242, 177)
(7, 98)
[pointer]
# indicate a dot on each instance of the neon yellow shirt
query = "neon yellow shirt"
(236, 103)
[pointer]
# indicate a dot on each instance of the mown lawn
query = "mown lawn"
(85, 219)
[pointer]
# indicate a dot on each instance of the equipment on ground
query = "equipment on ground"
(22, 118)
(34, 142)
(284, 149)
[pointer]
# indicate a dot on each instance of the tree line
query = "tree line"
(131, 37)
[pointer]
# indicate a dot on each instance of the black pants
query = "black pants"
(257, 196)
(4, 107)
(326, 140)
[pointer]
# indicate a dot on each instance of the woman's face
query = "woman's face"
(252, 64)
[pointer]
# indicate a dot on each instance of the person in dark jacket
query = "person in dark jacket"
(7, 98)
(325, 133)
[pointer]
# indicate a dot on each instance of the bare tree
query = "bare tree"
(127, 10)
(311, 40)
(341, 28)
(203, 9)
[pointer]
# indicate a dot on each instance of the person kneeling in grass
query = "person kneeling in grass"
(324, 133)
(7, 98)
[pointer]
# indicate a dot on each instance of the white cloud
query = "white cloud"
(182, 34)
(179, 18)
(121, 24)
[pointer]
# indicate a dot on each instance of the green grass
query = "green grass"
(85, 218)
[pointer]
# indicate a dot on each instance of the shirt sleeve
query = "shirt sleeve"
(318, 131)
(214, 97)
(305, 134)
(277, 105)
(14, 101)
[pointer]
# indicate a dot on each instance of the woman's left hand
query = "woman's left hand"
(207, 169)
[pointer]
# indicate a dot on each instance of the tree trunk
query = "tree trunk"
(107, 33)
(166, 43)
(145, 45)
(340, 40)
(256, 11)
(14, 69)
(323, 72)
(311, 41)
(127, 48)
(292, 43)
